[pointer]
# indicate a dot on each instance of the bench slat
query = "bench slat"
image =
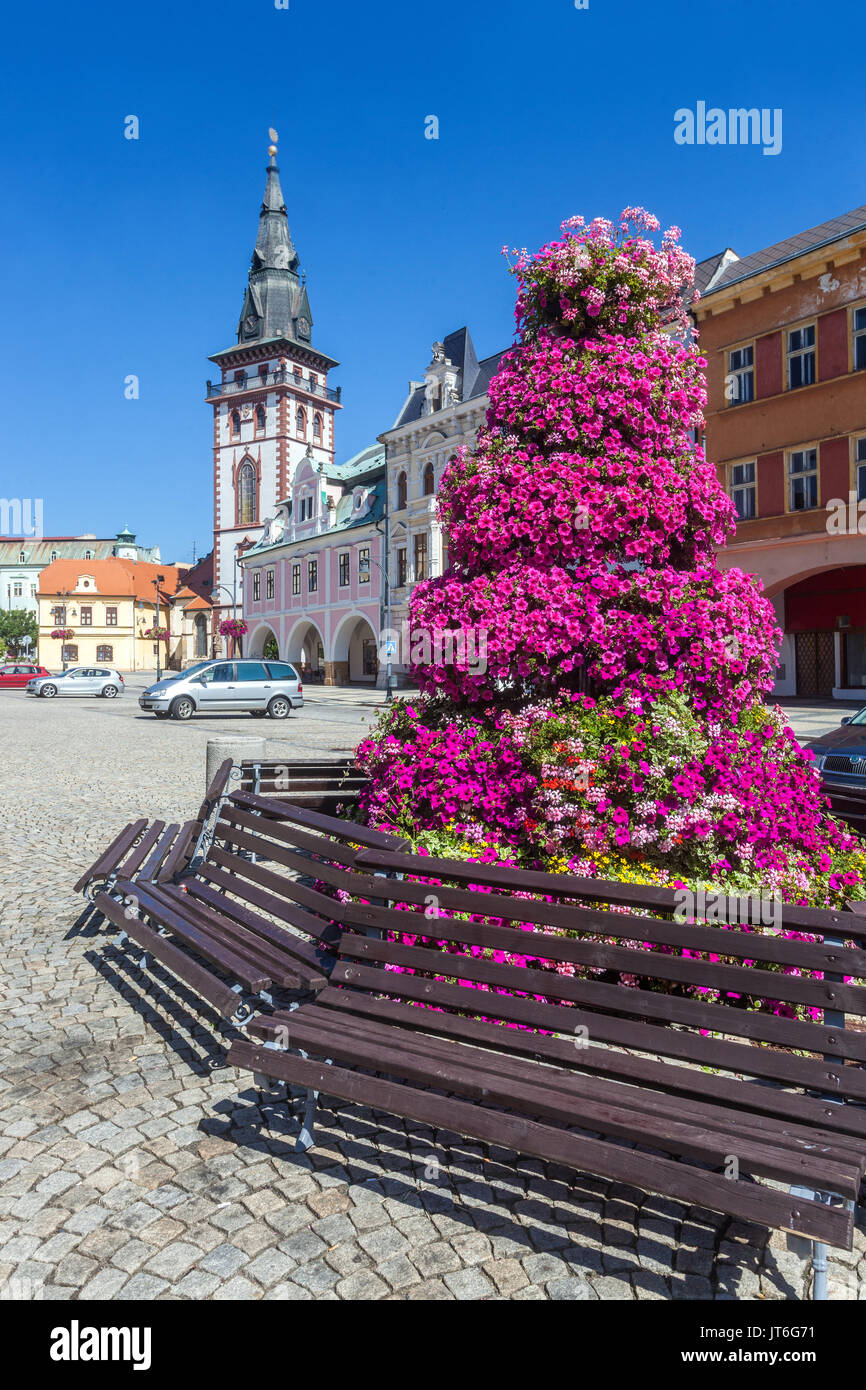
(542, 1091)
(746, 1201)
(757, 1105)
(641, 895)
(278, 944)
(646, 1004)
(112, 855)
(197, 938)
(215, 991)
(734, 1057)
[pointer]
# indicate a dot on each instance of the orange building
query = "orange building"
(784, 334)
(107, 610)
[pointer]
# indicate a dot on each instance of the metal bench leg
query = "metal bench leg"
(819, 1271)
(307, 1137)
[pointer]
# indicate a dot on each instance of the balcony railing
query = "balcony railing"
(255, 381)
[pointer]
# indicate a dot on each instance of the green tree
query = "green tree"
(15, 625)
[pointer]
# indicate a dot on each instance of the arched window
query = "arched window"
(260, 417)
(317, 426)
(401, 492)
(236, 422)
(301, 422)
(246, 488)
(429, 481)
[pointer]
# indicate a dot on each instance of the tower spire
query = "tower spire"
(275, 303)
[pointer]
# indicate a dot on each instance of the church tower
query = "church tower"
(273, 403)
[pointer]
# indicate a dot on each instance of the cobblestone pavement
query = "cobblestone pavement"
(135, 1165)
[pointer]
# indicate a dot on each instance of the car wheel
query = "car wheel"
(49, 691)
(109, 692)
(279, 707)
(182, 708)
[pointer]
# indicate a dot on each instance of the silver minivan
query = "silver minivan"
(226, 687)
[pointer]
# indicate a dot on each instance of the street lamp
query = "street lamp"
(64, 594)
(160, 579)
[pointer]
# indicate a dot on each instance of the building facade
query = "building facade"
(272, 405)
(108, 610)
(316, 587)
(313, 589)
(22, 560)
(784, 334)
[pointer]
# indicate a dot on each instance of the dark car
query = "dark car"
(840, 755)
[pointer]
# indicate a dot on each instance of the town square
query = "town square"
(432, 691)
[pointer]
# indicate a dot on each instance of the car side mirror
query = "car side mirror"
(846, 720)
(201, 680)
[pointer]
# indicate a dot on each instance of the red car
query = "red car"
(15, 674)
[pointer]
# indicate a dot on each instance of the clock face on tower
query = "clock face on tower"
(304, 328)
(250, 323)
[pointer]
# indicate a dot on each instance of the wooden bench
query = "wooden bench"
(677, 1094)
(321, 784)
(153, 851)
(246, 920)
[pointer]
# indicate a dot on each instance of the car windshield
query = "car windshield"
(860, 716)
(188, 671)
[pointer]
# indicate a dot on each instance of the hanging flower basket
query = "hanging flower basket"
(232, 627)
(62, 633)
(157, 633)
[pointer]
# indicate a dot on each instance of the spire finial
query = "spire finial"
(272, 147)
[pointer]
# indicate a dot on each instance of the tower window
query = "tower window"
(317, 426)
(246, 492)
(235, 422)
(261, 418)
(401, 492)
(301, 422)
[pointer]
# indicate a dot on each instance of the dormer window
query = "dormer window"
(22, 558)
(54, 555)
(88, 555)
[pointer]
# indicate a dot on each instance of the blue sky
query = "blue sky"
(131, 256)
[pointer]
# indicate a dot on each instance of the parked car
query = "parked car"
(840, 755)
(226, 687)
(79, 680)
(16, 674)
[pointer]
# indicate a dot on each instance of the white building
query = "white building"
(22, 560)
(273, 405)
(441, 412)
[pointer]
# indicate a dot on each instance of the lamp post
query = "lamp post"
(64, 594)
(221, 588)
(160, 579)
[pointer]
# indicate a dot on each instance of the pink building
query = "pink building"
(313, 584)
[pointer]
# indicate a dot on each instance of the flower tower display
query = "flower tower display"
(594, 701)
